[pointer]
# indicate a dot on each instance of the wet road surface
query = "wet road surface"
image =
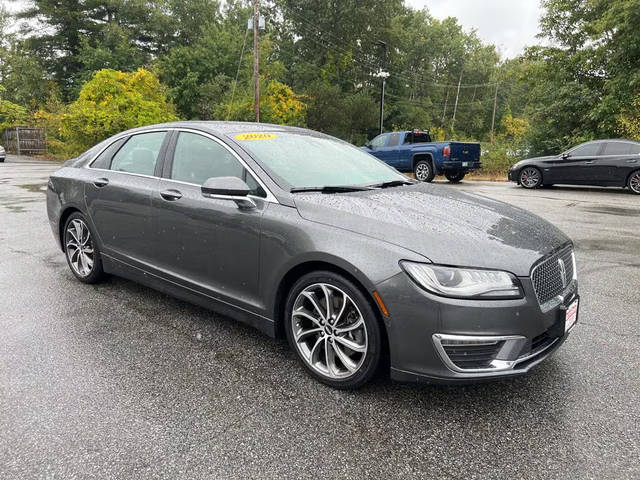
(119, 381)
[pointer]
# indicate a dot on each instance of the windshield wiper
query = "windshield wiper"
(393, 183)
(332, 189)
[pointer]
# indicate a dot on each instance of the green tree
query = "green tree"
(114, 101)
(10, 113)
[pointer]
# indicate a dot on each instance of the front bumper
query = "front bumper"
(429, 335)
(513, 176)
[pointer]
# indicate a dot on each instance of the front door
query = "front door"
(390, 152)
(207, 244)
(573, 167)
(119, 196)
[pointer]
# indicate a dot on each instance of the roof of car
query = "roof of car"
(226, 128)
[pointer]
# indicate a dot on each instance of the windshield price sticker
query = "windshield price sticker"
(255, 136)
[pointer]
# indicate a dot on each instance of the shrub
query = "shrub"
(114, 101)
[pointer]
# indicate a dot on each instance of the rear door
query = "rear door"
(618, 160)
(119, 195)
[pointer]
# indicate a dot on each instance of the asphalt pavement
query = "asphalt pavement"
(118, 381)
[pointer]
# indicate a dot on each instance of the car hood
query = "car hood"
(445, 225)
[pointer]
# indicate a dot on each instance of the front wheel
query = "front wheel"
(455, 177)
(530, 177)
(423, 171)
(333, 330)
(634, 182)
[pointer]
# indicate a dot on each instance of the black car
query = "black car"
(611, 163)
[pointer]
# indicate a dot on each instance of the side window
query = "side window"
(104, 159)
(379, 141)
(139, 154)
(635, 149)
(586, 150)
(198, 158)
(618, 148)
(394, 139)
(421, 137)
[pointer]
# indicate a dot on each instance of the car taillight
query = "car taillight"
(446, 151)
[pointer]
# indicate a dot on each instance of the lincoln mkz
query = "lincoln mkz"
(303, 235)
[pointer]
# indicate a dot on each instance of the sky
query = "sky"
(508, 24)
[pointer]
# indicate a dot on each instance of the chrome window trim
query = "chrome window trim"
(269, 198)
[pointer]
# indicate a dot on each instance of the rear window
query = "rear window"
(620, 148)
(140, 154)
(417, 137)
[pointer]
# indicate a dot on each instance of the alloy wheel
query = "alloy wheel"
(634, 182)
(79, 247)
(422, 172)
(530, 177)
(329, 331)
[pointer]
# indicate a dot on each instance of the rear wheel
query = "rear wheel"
(455, 177)
(530, 177)
(333, 330)
(634, 182)
(423, 171)
(81, 249)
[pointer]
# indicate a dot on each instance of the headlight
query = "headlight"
(463, 282)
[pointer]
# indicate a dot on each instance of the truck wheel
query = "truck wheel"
(423, 171)
(455, 177)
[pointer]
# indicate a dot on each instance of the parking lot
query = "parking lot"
(119, 381)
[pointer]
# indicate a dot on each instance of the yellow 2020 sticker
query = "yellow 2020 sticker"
(255, 136)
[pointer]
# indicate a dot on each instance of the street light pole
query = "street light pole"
(256, 77)
(382, 74)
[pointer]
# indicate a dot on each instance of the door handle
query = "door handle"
(589, 162)
(101, 182)
(171, 195)
(632, 161)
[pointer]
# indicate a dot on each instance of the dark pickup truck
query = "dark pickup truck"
(413, 151)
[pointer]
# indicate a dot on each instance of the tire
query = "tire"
(318, 342)
(455, 177)
(634, 182)
(85, 262)
(423, 171)
(530, 177)
(1, 160)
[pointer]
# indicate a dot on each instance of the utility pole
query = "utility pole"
(382, 74)
(256, 76)
(455, 108)
(493, 118)
(444, 111)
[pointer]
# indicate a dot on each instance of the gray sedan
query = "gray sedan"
(300, 234)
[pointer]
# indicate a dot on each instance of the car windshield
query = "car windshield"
(311, 161)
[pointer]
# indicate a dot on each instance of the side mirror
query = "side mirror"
(565, 156)
(228, 188)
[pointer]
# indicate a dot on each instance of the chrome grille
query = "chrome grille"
(553, 275)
